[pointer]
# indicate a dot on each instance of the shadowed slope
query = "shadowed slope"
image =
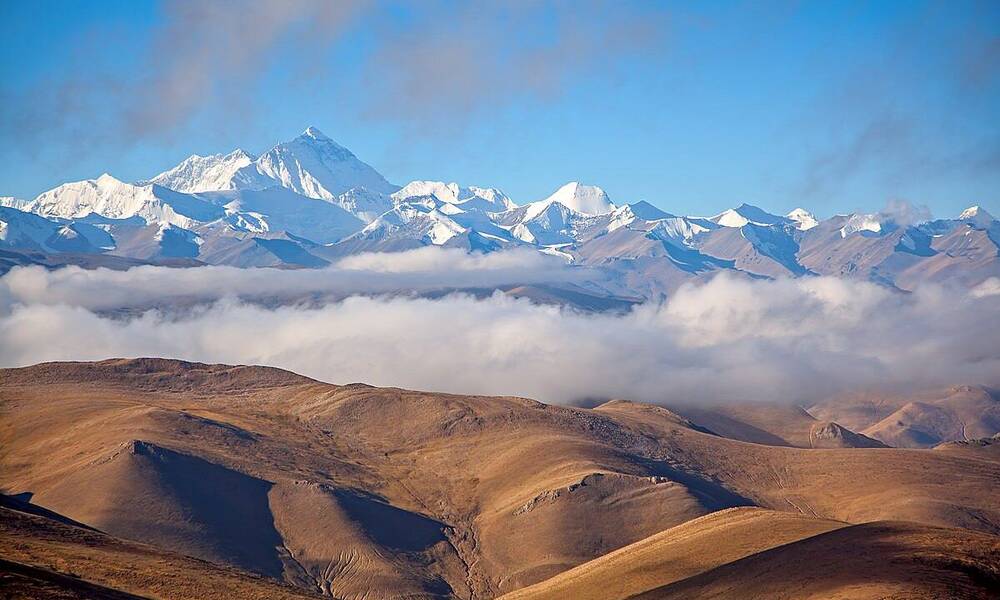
(145, 492)
(352, 546)
(46, 558)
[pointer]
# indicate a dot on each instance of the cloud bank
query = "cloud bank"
(411, 272)
(727, 339)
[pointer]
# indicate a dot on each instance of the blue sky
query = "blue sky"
(695, 107)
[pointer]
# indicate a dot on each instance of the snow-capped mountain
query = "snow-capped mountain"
(312, 165)
(204, 173)
(865, 224)
(280, 209)
(27, 231)
(978, 217)
(364, 204)
(309, 200)
(746, 213)
(471, 198)
(411, 221)
(584, 199)
(803, 219)
(114, 199)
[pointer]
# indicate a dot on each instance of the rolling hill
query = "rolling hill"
(359, 491)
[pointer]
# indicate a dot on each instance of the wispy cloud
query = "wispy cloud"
(484, 56)
(205, 59)
(880, 122)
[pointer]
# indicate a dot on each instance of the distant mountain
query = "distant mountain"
(917, 420)
(26, 231)
(747, 213)
(584, 199)
(307, 201)
(312, 165)
(803, 219)
(205, 173)
(108, 197)
(471, 198)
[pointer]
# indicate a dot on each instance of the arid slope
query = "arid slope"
(376, 492)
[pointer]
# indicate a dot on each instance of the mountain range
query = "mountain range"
(154, 478)
(309, 201)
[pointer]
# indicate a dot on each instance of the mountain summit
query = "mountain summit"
(586, 199)
(313, 165)
(204, 173)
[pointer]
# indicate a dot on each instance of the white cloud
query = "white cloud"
(727, 339)
(423, 269)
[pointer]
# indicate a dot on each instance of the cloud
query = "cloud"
(727, 339)
(452, 64)
(879, 122)
(202, 58)
(413, 271)
(905, 213)
(203, 63)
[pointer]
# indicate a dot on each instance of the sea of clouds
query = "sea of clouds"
(730, 338)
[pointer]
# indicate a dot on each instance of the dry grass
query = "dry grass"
(323, 486)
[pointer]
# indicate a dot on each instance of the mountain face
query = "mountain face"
(746, 213)
(204, 173)
(488, 200)
(312, 165)
(307, 201)
(584, 199)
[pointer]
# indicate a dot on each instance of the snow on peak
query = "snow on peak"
(647, 212)
(411, 222)
(312, 165)
(204, 173)
(18, 203)
(445, 192)
(470, 198)
(316, 134)
(803, 219)
(642, 211)
(744, 214)
(107, 179)
(977, 216)
(857, 223)
(493, 196)
(586, 199)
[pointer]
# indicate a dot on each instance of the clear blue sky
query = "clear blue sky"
(695, 107)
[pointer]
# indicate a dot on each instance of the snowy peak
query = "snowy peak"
(585, 199)
(639, 211)
(864, 224)
(410, 222)
(204, 173)
(488, 200)
(744, 214)
(315, 134)
(803, 219)
(312, 165)
(977, 216)
(647, 212)
(445, 192)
